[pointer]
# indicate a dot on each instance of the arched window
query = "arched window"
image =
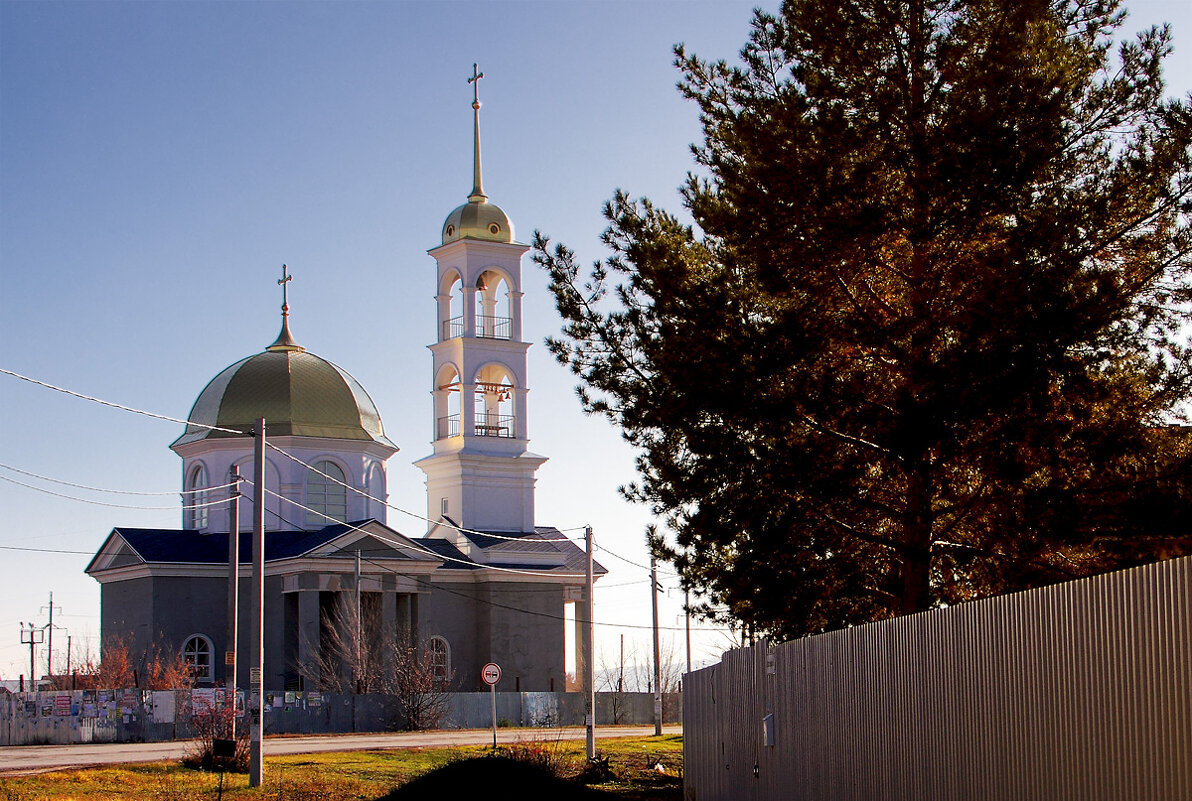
(195, 495)
(197, 653)
(326, 494)
(440, 659)
(377, 491)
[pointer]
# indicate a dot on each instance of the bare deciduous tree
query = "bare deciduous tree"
(161, 666)
(358, 653)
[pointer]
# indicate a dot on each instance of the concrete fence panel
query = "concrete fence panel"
(133, 715)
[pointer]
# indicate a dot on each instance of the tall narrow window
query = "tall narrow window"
(440, 659)
(326, 494)
(197, 653)
(195, 498)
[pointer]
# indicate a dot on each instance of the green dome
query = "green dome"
(297, 393)
(478, 219)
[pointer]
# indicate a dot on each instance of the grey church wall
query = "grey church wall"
(518, 625)
(165, 611)
(184, 606)
(524, 629)
(449, 611)
(126, 610)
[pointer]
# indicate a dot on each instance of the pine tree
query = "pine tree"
(927, 339)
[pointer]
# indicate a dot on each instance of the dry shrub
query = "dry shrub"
(211, 723)
(553, 756)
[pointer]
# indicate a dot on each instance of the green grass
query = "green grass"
(364, 775)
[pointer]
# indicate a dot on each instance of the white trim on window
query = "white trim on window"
(198, 653)
(439, 651)
(196, 484)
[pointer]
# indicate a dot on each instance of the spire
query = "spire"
(477, 195)
(284, 340)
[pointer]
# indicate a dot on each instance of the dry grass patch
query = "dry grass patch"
(356, 775)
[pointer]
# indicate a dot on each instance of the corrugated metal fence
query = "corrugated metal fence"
(1081, 690)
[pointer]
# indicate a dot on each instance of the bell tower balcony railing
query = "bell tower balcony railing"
(487, 425)
(487, 327)
(495, 425)
(447, 426)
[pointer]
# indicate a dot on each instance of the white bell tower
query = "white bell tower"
(481, 474)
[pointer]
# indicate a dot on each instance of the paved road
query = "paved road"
(38, 758)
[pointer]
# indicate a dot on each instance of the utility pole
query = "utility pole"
(233, 592)
(590, 648)
(256, 671)
(359, 630)
(687, 615)
(621, 669)
(31, 637)
(657, 656)
(50, 642)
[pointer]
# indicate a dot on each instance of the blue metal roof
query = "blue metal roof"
(446, 549)
(187, 546)
(190, 546)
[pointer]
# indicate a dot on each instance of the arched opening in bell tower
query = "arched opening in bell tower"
(494, 402)
(447, 402)
(451, 306)
(494, 317)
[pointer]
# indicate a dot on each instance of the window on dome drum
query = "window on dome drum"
(197, 654)
(440, 659)
(196, 494)
(326, 495)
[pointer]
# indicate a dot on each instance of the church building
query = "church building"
(483, 583)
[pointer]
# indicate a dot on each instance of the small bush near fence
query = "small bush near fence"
(213, 723)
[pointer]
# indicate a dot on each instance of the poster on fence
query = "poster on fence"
(128, 701)
(61, 706)
(162, 706)
(202, 698)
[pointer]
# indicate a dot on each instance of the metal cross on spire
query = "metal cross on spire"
(284, 340)
(477, 195)
(285, 279)
(475, 81)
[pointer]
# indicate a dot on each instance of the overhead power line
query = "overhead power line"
(167, 418)
(418, 548)
(365, 494)
(114, 505)
(116, 405)
(448, 590)
(111, 491)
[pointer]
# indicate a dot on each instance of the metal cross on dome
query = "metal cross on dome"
(285, 279)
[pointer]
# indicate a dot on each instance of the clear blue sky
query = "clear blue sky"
(160, 161)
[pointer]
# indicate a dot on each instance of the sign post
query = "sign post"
(490, 674)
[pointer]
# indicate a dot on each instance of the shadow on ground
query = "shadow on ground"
(493, 779)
